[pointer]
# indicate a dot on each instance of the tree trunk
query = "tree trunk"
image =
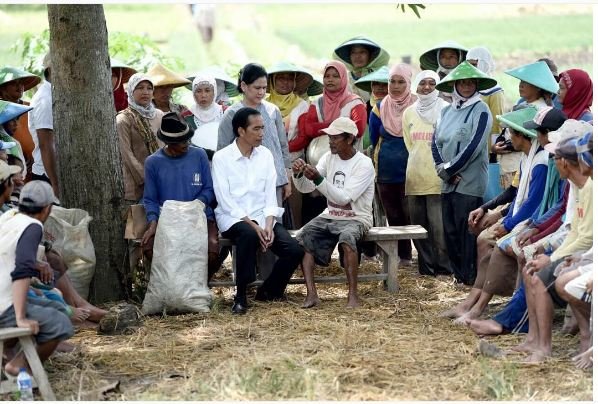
(89, 166)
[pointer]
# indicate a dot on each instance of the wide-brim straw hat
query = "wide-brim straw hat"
(379, 76)
(127, 71)
(9, 74)
(463, 71)
(343, 51)
(11, 110)
(303, 78)
(537, 74)
(161, 76)
(230, 86)
(429, 59)
(516, 119)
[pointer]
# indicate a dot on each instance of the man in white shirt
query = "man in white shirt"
(41, 127)
(346, 178)
(244, 179)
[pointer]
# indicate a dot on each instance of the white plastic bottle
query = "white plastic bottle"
(25, 385)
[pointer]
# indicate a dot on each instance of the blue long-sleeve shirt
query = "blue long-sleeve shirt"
(459, 147)
(183, 178)
(534, 197)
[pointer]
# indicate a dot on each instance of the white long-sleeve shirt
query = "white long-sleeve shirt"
(244, 186)
(348, 186)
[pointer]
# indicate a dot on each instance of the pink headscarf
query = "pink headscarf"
(334, 101)
(392, 107)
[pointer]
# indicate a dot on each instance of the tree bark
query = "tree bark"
(89, 165)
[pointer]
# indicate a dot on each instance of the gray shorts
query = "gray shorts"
(53, 325)
(547, 277)
(320, 236)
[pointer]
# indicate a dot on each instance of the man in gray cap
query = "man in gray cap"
(540, 274)
(20, 235)
(346, 178)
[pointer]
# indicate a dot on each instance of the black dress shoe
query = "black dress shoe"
(239, 308)
(261, 295)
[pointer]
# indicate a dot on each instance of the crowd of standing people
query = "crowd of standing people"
(316, 154)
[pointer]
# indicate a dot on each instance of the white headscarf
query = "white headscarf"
(221, 94)
(428, 106)
(148, 112)
(213, 113)
(484, 58)
(485, 63)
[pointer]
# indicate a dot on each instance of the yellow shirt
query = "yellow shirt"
(421, 173)
(580, 236)
(497, 104)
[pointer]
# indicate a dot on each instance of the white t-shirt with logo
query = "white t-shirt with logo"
(348, 187)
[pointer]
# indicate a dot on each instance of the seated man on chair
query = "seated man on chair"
(178, 171)
(245, 184)
(20, 235)
(346, 178)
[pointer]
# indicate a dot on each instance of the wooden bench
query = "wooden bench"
(39, 374)
(385, 237)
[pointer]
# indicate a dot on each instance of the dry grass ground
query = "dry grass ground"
(392, 348)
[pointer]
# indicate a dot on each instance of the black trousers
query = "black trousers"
(460, 243)
(247, 242)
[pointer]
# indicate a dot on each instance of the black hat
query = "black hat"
(173, 129)
(548, 118)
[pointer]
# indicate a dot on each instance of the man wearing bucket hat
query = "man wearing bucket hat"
(178, 172)
(346, 178)
(361, 56)
(13, 83)
(541, 273)
(41, 127)
(20, 235)
(578, 291)
(10, 114)
(165, 81)
(495, 276)
(459, 149)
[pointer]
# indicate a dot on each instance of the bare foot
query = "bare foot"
(537, 357)
(525, 346)
(466, 318)
(584, 360)
(352, 302)
(64, 346)
(95, 313)
(455, 312)
(310, 301)
(79, 315)
(13, 367)
(485, 327)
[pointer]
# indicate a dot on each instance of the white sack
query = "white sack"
(68, 230)
(179, 275)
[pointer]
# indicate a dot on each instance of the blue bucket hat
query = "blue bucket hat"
(537, 74)
(584, 148)
(11, 110)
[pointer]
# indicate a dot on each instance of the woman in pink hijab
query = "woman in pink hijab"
(336, 101)
(390, 152)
